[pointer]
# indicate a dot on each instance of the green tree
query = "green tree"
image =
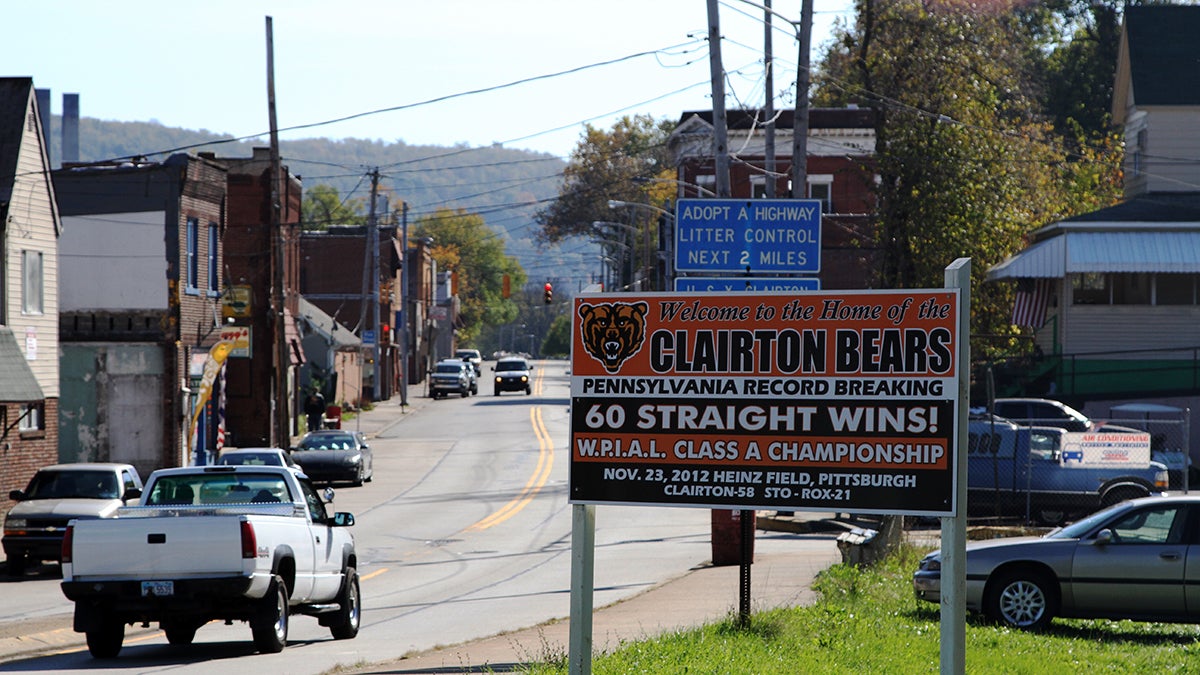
(464, 245)
(322, 207)
(558, 338)
(606, 165)
(619, 164)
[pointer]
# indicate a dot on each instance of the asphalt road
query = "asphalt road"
(464, 533)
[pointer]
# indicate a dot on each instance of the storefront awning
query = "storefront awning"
(1152, 251)
(17, 382)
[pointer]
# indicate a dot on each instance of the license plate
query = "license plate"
(158, 589)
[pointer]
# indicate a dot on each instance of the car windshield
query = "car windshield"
(1079, 528)
(511, 365)
(227, 488)
(449, 368)
(53, 484)
(327, 442)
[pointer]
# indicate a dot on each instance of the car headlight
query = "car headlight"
(354, 459)
(524, 378)
(15, 524)
(499, 379)
(931, 563)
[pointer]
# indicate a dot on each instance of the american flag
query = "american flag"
(1033, 296)
(221, 412)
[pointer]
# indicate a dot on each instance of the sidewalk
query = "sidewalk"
(702, 595)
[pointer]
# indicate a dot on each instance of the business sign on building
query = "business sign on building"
(748, 235)
(842, 402)
(727, 284)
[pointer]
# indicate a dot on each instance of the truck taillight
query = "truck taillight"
(68, 539)
(249, 541)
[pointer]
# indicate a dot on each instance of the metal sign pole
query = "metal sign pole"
(954, 528)
(583, 567)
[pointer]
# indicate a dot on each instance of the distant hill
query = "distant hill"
(505, 186)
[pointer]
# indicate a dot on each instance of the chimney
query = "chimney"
(70, 128)
(43, 105)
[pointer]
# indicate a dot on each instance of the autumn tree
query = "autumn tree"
(464, 245)
(967, 161)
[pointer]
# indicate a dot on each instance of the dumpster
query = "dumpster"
(333, 417)
(727, 537)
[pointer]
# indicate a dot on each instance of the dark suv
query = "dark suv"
(512, 374)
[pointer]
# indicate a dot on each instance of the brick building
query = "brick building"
(841, 147)
(252, 249)
(140, 305)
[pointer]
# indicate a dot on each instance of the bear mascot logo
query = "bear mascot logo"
(613, 332)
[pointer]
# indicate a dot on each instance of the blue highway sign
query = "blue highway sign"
(747, 284)
(748, 235)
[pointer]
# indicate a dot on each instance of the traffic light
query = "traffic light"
(548, 294)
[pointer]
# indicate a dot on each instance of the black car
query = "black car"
(335, 455)
(512, 374)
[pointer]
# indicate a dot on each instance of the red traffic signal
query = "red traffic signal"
(548, 294)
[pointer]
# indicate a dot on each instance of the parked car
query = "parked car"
(1015, 470)
(453, 375)
(1050, 413)
(256, 457)
(214, 543)
(473, 357)
(333, 455)
(1136, 560)
(56, 495)
(512, 374)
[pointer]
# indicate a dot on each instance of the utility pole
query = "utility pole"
(404, 312)
(800, 120)
(279, 393)
(769, 106)
(720, 126)
(373, 247)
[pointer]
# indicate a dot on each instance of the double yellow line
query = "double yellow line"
(541, 473)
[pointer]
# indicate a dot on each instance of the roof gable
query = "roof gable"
(1164, 54)
(15, 94)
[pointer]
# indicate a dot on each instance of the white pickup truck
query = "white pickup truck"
(214, 543)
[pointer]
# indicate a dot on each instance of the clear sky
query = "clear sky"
(202, 65)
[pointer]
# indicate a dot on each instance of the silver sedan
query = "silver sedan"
(1138, 560)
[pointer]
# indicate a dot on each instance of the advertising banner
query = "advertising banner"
(826, 401)
(1100, 448)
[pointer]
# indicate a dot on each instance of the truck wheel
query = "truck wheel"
(179, 632)
(104, 641)
(345, 626)
(16, 565)
(270, 623)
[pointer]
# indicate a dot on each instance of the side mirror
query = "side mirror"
(16, 495)
(132, 493)
(343, 519)
(1104, 537)
(328, 494)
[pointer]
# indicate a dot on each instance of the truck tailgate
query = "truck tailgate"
(158, 548)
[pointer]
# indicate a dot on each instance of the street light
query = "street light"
(642, 180)
(616, 203)
(626, 249)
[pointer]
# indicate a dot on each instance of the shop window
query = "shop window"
(1090, 288)
(820, 187)
(1131, 289)
(1175, 289)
